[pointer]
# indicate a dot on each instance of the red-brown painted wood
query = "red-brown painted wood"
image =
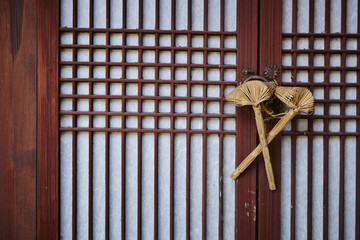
(18, 119)
(48, 139)
(357, 208)
(269, 202)
(245, 196)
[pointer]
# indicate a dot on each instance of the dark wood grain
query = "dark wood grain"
(246, 193)
(18, 119)
(269, 202)
(47, 177)
(357, 194)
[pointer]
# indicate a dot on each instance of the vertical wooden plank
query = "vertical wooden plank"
(18, 140)
(294, 73)
(293, 181)
(245, 196)
(357, 210)
(269, 202)
(204, 136)
(91, 122)
(310, 124)
(123, 134)
(221, 137)
(139, 135)
(75, 124)
(107, 134)
(326, 126)
(342, 126)
(18, 119)
(156, 126)
(188, 120)
(172, 125)
(48, 139)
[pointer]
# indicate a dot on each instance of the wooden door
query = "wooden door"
(128, 134)
(18, 120)
(143, 78)
(320, 194)
(146, 136)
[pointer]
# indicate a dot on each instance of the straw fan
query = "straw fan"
(298, 100)
(254, 91)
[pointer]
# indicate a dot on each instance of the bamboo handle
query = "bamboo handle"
(280, 125)
(262, 136)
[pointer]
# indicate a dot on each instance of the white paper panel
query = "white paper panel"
(301, 188)
(99, 185)
(164, 186)
(116, 7)
(285, 187)
(287, 16)
(115, 183)
(181, 15)
(83, 8)
(180, 186)
(197, 13)
(196, 187)
(147, 196)
(149, 14)
(214, 15)
(350, 188)
(100, 13)
(131, 194)
(333, 174)
(334, 177)
(319, 18)
(335, 13)
(303, 16)
(132, 19)
(352, 16)
(318, 187)
(84, 141)
(165, 14)
(83, 184)
(229, 186)
(230, 15)
(66, 185)
(212, 206)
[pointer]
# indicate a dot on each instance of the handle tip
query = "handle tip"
(234, 176)
(272, 187)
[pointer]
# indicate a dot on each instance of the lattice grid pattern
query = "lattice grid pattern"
(146, 134)
(319, 169)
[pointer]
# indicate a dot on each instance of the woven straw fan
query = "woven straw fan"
(298, 100)
(253, 92)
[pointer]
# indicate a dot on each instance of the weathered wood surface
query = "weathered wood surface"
(48, 139)
(245, 195)
(18, 61)
(269, 202)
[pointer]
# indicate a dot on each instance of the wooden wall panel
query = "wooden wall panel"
(269, 202)
(18, 119)
(246, 184)
(48, 162)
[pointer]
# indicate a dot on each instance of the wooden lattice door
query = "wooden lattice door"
(130, 135)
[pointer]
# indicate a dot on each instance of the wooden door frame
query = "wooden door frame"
(258, 210)
(48, 200)
(29, 201)
(18, 119)
(246, 184)
(270, 45)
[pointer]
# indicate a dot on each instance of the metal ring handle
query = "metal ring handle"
(256, 77)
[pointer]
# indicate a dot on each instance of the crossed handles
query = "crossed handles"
(259, 92)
